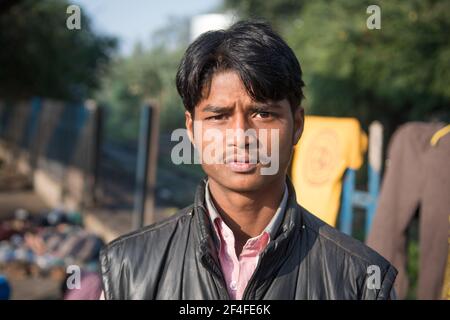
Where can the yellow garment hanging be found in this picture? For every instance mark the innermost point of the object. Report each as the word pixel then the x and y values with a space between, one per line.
pixel 327 148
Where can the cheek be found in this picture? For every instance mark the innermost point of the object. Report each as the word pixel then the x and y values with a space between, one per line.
pixel 210 141
pixel 284 139
pixel 284 147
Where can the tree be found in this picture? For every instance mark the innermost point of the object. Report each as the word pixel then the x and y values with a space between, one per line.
pixel 149 73
pixel 396 74
pixel 40 56
pixel 279 12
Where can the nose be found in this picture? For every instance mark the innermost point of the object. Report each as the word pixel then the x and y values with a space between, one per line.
pixel 237 136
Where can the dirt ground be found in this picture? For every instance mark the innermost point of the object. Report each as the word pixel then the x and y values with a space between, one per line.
pixel 26 287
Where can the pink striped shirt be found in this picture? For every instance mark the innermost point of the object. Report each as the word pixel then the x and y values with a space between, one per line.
pixel 238 270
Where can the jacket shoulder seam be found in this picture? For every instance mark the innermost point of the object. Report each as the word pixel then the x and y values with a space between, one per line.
pixel 172 220
pixel 354 254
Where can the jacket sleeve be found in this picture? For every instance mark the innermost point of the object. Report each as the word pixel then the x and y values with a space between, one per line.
pixel 382 289
pixel 387 291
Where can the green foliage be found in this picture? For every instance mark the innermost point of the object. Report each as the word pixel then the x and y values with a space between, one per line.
pixel 40 56
pixel 278 12
pixel 148 74
pixel 396 74
pixel 134 80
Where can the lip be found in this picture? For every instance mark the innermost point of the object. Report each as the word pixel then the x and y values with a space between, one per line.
pixel 241 167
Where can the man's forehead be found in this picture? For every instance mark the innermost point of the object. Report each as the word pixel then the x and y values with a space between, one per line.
pixel 227 91
pixel 225 87
pixel 227 79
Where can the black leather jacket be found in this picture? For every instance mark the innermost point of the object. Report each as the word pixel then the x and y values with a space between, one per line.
pixel 177 259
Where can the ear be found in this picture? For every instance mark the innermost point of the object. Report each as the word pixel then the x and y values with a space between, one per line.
pixel 299 122
pixel 190 126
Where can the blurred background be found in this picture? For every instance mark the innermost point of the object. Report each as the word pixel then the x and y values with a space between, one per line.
pixel 86 114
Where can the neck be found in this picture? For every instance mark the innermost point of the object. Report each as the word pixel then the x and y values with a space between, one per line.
pixel 247 213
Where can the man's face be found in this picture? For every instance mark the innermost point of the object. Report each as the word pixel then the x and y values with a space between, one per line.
pixel 230 111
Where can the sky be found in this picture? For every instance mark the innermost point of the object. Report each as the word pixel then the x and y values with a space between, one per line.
pixel 135 20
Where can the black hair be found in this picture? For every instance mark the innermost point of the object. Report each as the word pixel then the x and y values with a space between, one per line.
pixel 266 65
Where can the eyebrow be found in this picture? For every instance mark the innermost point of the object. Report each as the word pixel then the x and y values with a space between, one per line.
pixel 264 107
pixel 216 109
pixel 258 107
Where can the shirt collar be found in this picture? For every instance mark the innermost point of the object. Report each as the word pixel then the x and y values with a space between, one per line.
pixel 274 223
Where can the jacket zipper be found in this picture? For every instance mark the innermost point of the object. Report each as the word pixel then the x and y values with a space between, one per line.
pixel 220 280
pixel 252 281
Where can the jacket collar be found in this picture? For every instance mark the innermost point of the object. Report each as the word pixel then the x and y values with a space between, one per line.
pixel 207 237
pixel 272 227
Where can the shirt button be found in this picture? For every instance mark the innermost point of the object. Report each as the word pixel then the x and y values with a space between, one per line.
pixel 233 285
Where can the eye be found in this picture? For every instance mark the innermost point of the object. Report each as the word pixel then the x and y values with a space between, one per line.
pixel 217 117
pixel 264 114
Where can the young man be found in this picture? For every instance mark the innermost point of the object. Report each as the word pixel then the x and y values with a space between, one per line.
pixel 245 236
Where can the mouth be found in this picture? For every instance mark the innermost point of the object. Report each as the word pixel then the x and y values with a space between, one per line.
pixel 241 167
pixel 244 163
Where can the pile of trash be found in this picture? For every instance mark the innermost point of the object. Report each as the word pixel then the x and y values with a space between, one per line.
pixel 47 243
